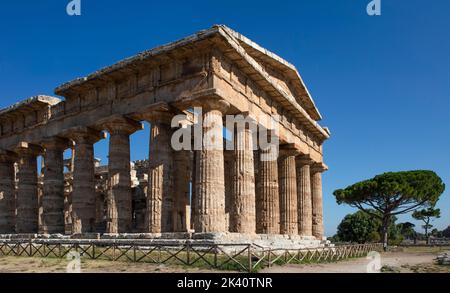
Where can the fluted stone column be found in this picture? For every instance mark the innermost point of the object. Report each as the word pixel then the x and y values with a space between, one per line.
pixel 195 157
pixel 317 200
pixel 228 176
pixel 68 188
pixel 27 219
pixel 304 195
pixel 210 184
pixel 268 200
pixel 181 179
pixel 53 196
pixel 159 215
pixel 119 195
pixel 83 194
pixel 288 191
pixel 243 213
pixel 7 192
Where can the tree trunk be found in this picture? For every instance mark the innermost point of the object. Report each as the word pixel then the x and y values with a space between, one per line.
pixel 426 234
pixel 384 231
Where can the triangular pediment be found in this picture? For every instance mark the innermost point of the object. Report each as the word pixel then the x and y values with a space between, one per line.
pixel 284 73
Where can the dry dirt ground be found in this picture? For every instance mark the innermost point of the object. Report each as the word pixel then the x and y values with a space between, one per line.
pixel 407 260
pixel 54 265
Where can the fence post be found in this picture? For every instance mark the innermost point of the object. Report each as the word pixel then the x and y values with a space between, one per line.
pixel 215 255
pixel 188 258
pixel 250 264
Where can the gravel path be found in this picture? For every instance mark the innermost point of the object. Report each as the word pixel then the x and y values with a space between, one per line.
pixel 401 261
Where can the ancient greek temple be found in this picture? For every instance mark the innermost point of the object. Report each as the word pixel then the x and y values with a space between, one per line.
pixel 213 193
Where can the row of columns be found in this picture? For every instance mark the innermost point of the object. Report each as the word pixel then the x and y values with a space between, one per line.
pixel 285 198
pixel 300 195
pixel 287 202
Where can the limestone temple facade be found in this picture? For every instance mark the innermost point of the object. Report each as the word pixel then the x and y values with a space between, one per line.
pixel 209 193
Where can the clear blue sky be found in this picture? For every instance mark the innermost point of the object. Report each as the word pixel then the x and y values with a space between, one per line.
pixel 381 83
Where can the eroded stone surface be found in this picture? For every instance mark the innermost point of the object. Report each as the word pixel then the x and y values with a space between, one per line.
pixel 83 194
pixel 288 194
pixel 304 196
pixel 53 185
pixel 317 202
pixel 242 205
pixel 209 215
pixel 7 193
pixel 27 190
pixel 119 197
pixel 160 190
pixel 181 196
pixel 268 200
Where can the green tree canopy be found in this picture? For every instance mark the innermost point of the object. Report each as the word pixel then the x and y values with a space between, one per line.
pixel 393 193
pixel 436 233
pixel 358 227
pixel 426 216
pixel 407 230
pixel 361 227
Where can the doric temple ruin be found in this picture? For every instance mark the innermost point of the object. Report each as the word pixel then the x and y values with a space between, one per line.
pixel 212 193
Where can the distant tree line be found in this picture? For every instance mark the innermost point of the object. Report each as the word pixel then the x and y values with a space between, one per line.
pixel 361 227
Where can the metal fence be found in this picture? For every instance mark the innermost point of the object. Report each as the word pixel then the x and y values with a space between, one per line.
pixel 241 257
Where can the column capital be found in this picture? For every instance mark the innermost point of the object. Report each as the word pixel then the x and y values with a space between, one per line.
pixel 160 116
pixel 212 103
pixel 287 150
pixel 304 159
pixel 248 114
pixel 119 124
pixel 56 143
pixel 319 167
pixel 249 120
pixel 28 148
pixel 83 134
pixel 158 112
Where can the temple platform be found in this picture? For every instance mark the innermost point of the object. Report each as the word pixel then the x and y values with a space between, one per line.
pixel 262 241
